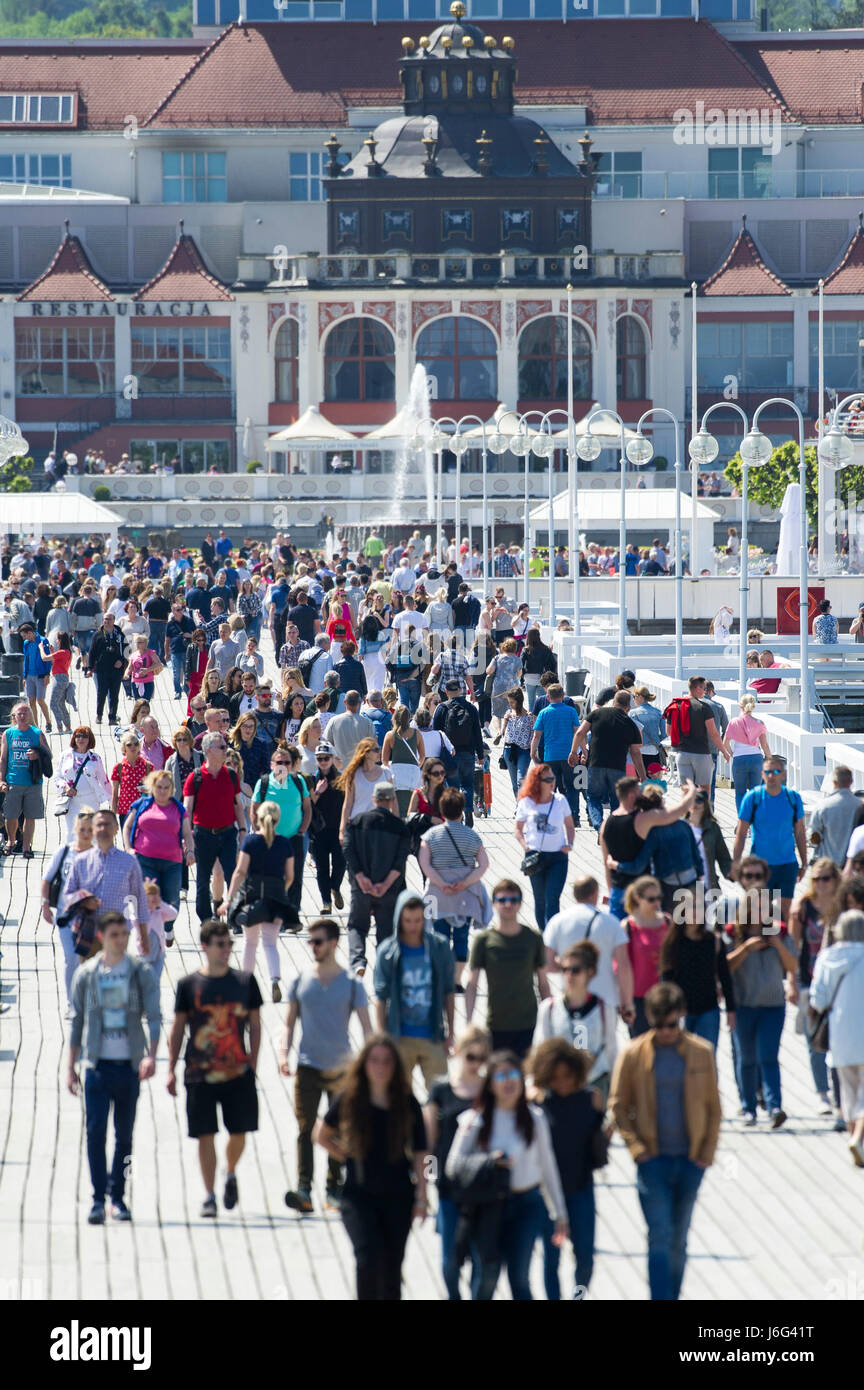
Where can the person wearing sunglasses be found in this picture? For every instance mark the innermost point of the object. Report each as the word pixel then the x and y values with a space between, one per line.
pixel 545 831
pixel 516 1135
pixel 666 1107
pixel 450 1097
pixel 513 957
pixel 646 926
pixel 578 1015
pixel 775 815
pixel 321 999
pixel 763 962
pixel 327 805
pixel 813 912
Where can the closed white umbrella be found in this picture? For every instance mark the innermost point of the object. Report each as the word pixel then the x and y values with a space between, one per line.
pixel 789 544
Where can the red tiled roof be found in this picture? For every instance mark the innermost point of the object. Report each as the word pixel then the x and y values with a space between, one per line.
pixel 112 80
pixel 744 272
pixel 69 276
pixel 296 74
pixel 847 277
pixel 819 80
pixel 183 276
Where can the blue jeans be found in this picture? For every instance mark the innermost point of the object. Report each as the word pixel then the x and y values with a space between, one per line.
pixel 457 935
pixel 178 671
pixel 547 886
pixel 105 1084
pixel 83 640
pixel 518 769
pixel 445 1224
pixel 409 692
pixel 601 787
pixel 463 777
pixel 616 902
pixel 253 627
pixel 705 1026
pixel 818 1070
pixel 146 687
pixel 209 847
pixel 167 874
pixel 521 1226
pixel 759 1032
pixel 581 1211
pixel 565 784
pixel 157 638
pixel 746 775
pixel 668 1188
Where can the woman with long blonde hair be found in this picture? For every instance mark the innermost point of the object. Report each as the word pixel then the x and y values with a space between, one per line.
pixel 308 738
pixel 265 872
pixel 358 781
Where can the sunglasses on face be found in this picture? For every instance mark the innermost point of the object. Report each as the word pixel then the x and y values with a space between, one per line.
pixel 753 877
pixel 510 899
pixel 317 941
pixel 668 1025
pixel 436 772
pixel 281 762
pixel 651 898
pixel 476 1057
pixel 511 1075
pixel 547 779
pixel 323 757
pixel 823 878
pixel 772 772
pixel 573 970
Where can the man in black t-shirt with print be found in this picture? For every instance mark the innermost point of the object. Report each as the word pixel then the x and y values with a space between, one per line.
pixel 218 1004
pixel 615 737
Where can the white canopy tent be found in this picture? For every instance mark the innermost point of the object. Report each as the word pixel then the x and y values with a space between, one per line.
pixel 57 514
pixel 310 431
pixel 402 427
pixel 648 509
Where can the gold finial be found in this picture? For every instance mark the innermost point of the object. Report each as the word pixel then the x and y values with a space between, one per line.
pixel 457 9
pixel 407 45
pixel 446 42
pixel 467 41
pixel 423 41
pixel 508 43
pixel 489 42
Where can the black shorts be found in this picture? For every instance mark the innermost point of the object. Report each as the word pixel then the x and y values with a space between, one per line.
pixel 239 1101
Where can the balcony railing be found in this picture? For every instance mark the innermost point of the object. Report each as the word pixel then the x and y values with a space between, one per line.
pixel 88 413
pixel 700 183
pixel 466 268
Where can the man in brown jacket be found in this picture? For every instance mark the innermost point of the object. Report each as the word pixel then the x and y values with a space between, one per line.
pixel 666 1106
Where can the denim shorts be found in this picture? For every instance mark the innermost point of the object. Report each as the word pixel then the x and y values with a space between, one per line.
pixel 34 687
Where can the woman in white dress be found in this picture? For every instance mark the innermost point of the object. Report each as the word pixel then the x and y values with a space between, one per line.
pixel 91 790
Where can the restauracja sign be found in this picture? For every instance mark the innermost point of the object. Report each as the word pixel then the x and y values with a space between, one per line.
pixel 176 308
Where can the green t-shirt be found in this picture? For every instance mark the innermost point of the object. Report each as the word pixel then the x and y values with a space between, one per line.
pixel 289 800
pixel 509 963
pixel 373 547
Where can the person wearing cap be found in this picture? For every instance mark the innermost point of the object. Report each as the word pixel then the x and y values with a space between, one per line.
pixel 856 629
pixel 327 802
pixel 376 847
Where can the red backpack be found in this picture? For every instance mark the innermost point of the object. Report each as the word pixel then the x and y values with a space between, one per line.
pixel 677 714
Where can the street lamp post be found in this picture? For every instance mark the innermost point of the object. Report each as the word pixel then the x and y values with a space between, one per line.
pixel 704 448
pixel 640 451
pixel 461 445
pixel 543 445
pixel 589 447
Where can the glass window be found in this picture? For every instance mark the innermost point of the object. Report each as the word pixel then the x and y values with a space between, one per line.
pixel 305 177
pixel 739 173
pixel 49 170
pixel 36 108
pixel 631 360
pixel 460 353
pixel 543 360
pixel 843 365
pixel 64 359
pixel 619 174
pixel 758 354
pixel 360 362
pixel 285 353
pixel 194 177
pixel 184 359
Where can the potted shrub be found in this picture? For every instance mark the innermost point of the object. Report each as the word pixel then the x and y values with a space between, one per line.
pixel 101 493
pixel 254 466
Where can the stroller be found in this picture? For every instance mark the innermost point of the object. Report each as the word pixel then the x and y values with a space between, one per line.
pixel 483 785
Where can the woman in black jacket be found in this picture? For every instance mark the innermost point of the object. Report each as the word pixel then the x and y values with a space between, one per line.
pixel 352 675
pixel 536 659
pixel 695 959
pixel 108 662
pixel 327 802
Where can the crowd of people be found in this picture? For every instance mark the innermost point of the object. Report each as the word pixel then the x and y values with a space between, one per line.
pixel 365 765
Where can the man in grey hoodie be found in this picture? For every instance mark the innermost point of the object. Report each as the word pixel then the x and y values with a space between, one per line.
pixel 414 989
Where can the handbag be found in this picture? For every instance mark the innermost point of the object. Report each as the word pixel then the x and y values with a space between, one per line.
pixel 407 777
pixel 599 1148
pixel 816 1023
pixel 61 805
pixel 532 863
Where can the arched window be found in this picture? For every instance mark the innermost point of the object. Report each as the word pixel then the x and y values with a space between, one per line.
pixel 285 352
pixel 543 360
pixel 632 368
pixel 360 362
pixel 461 355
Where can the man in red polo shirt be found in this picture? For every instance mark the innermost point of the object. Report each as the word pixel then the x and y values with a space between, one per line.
pixel 766 685
pixel 212 798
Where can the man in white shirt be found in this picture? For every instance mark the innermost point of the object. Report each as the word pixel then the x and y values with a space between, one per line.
pixel 587 922
pixel 315 671
pixel 404 577
pixel 409 616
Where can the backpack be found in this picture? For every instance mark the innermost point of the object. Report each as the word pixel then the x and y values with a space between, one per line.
pixel 307 660
pixel 143 804
pixel 55 887
pixel 677 713
pixel 297 780
pixel 760 797
pixel 459 726
pixel 197 778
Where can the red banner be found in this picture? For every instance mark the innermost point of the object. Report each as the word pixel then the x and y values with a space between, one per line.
pixel 789 608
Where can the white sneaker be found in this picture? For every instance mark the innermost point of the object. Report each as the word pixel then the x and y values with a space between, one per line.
pixel 825 1106
pixel 857 1152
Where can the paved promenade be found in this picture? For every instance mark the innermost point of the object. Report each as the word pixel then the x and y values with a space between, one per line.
pixel 781 1215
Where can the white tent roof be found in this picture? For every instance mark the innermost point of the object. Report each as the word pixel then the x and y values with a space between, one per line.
pixel 311 428
pixel 604 427
pixel 56 514
pixel 401 427
pixel 647 507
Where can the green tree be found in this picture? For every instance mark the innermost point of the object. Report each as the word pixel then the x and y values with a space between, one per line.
pixel 767 484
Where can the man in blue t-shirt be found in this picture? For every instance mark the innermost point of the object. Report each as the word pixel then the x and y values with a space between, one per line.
pixel 19 753
pixel 776 816
pixel 37 669
pixel 558 722
pixel 414 990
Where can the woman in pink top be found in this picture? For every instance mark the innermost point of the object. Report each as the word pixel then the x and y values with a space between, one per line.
pixel 158 832
pixel 646 927
pixel 746 745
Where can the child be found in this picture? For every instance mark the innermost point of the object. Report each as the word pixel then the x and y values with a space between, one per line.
pixel 655 776
pixel 158 926
pixel 144 667
pixel 62 689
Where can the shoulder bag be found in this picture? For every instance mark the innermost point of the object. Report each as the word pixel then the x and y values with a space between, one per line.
pixel 533 860
pixel 61 805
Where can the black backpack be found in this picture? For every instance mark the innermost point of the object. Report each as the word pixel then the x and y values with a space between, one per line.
pixel 459 726
pixel 55 887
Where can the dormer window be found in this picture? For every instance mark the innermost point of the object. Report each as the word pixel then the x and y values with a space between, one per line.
pixel 457 84
pixel 37 108
pixel 481 82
